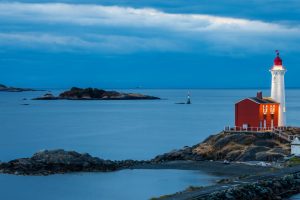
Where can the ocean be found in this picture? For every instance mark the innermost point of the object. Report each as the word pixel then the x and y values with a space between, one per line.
pixel 116 130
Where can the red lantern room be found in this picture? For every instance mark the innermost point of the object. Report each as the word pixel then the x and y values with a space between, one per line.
pixel 256 112
pixel 277 60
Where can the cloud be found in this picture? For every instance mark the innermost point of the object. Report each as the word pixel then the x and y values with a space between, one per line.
pixel 32 38
pixel 139 29
pixel 101 43
pixel 93 15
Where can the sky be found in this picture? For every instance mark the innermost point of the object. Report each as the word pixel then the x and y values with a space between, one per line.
pixel 147 43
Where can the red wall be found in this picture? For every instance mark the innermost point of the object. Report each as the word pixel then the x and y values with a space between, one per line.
pixel 247 112
pixel 268 115
pixel 251 113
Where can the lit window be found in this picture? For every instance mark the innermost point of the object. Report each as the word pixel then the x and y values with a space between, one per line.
pixel 265 109
pixel 272 109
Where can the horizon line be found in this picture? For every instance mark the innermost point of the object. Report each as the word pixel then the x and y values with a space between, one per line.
pixel 166 88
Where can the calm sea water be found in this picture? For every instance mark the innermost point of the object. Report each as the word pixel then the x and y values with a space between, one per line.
pixel 115 130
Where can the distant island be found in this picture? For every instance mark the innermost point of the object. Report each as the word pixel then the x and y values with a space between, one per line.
pixel 95 94
pixel 4 88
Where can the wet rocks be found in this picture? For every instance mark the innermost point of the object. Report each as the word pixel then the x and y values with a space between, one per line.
pixel 182 154
pixel 275 188
pixel 61 161
pixel 47 96
pixel 95 94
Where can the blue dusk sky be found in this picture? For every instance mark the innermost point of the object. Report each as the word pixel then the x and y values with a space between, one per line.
pixel 147 43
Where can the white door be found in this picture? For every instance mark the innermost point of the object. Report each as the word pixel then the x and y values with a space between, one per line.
pixel 272 123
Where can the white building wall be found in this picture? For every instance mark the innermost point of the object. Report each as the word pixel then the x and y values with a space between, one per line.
pixel 295 147
pixel 278 92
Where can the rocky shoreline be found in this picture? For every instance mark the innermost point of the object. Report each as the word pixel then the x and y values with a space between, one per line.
pixel 242 181
pixel 235 146
pixel 95 94
pixel 219 147
pixel 280 184
pixel 60 162
pixel 248 182
pixel 269 189
pixel 49 162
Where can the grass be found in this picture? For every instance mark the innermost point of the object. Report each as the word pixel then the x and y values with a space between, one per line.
pixel 294 161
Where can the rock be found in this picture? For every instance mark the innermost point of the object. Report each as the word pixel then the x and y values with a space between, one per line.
pixel 233 147
pixel 61 161
pixel 261 190
pixel 268 156
pixel 4 88
pixel 233 155
pixel 264 143
pixel 95 94
pixel 47 96
pixel 250 153
pixel 279 150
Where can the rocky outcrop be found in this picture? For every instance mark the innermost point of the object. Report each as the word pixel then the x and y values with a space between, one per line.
pixel 95 94
pixel 233 147
pixel 4 88
pixel 276 188
pixel 60 161
pixel 223 146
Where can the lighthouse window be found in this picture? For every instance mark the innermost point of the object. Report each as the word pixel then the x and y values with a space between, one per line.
pixel 265 109
pixel 272 109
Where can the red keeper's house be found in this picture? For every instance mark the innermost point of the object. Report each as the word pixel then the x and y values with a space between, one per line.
pixel 256 113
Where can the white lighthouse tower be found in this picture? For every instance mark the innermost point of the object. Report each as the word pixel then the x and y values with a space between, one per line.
pixel 278 88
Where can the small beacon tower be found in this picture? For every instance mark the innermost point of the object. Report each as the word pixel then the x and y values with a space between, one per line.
pixel 278 88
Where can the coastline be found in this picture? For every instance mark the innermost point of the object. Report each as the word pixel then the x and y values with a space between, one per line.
pixel 278 184
pixel 49 162
pixel 239 172
pixel 230 152
pixel 233 169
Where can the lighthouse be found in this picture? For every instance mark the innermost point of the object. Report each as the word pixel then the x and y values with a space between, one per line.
pixel 278 88
pixel 264 113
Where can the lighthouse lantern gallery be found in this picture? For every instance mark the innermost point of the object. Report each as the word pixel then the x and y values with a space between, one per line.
pixel 264 112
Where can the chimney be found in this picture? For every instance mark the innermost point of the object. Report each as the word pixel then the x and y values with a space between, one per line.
pixel 259 95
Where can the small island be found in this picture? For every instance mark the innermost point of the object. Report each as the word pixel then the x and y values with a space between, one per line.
pixel 4 88
pixel 95 94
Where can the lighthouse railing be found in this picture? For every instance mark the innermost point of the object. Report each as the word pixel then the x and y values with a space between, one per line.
pixel 247 129
pixel 253 129
pixel 278 131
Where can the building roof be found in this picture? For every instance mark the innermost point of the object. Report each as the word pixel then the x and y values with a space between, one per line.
pixel 264 100
pixel 295 141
